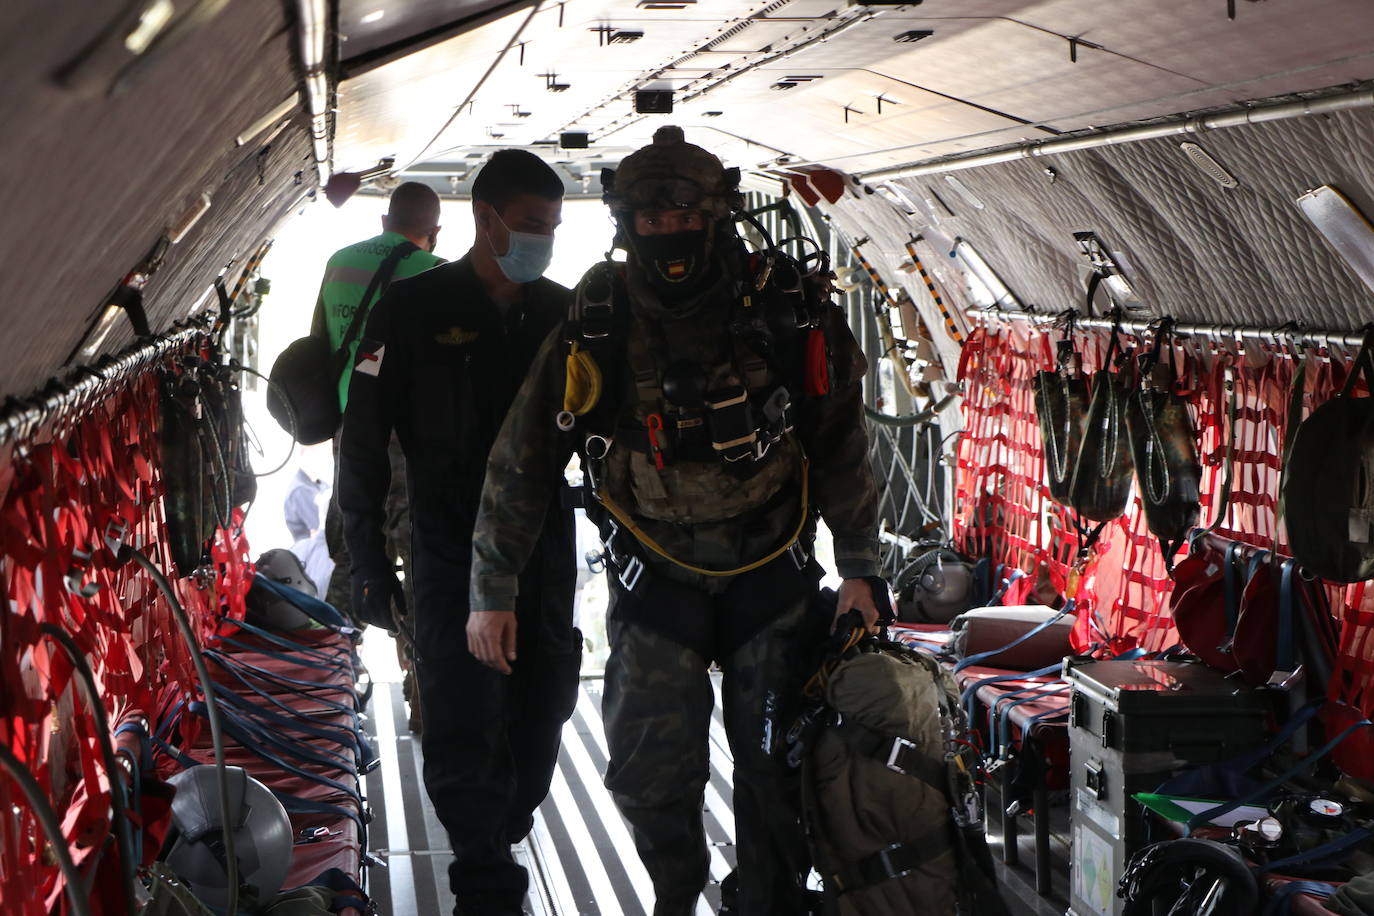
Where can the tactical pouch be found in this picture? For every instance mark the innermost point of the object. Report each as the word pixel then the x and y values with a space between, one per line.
pixel 730 416
pixel 189 497
pixel 204 458
pixel 1167 469
pixel 690 436
pixel 1102 472
pixel 1061 407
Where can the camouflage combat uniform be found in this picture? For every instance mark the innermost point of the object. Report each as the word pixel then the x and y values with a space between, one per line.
pixel 666 629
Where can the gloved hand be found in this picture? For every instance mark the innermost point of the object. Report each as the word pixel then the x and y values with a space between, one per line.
pixel 864 596
pixel 374 596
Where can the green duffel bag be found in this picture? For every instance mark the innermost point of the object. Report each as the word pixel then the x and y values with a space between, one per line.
pixel 892 811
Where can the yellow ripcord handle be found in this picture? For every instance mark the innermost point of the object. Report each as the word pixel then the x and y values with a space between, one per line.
pixel 629 525
pixel 582 384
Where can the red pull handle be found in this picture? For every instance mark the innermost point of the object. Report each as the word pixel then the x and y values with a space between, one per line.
pixel 654 422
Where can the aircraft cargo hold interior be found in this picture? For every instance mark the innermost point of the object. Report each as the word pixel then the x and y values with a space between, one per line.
pixel 677 457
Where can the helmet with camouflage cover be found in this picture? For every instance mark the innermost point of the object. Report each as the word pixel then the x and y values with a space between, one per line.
pixel 671 174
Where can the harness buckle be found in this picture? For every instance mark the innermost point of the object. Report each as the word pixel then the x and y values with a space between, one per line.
pixel 899 747
pixel 597 319
pixel 631 572
pixel 116 530
pixel 890 865
pixel 596 448
pixel 799 554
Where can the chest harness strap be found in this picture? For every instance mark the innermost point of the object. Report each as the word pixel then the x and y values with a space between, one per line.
pixel 631 567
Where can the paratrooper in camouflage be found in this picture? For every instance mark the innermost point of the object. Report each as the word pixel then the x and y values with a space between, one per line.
pixel 718 436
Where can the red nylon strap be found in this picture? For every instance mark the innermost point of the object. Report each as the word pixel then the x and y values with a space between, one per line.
pixel 62 494
pixel 1003 510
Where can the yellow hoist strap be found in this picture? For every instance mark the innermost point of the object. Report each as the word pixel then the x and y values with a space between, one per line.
pixel 628 524
pixel 582 383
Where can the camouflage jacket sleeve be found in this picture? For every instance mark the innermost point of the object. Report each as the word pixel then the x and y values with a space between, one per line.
pixel 524 473
pixel 834 434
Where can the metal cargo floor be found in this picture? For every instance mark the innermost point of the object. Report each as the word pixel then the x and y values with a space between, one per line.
pixel 580 856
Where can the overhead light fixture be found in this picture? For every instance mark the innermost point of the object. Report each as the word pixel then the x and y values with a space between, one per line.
pixel 274 116
pixel 964 191
pixel 188 218
pixel 1210 165
pixel 151 22
pixel 625 37
pixel 372 17
pixel 712 114
pixel 913 36
pixel 665 4
pixel 777 87
pixel 573 140
pixel 985 287
pixel 1344 226
pixel 654 101
pixel 517 112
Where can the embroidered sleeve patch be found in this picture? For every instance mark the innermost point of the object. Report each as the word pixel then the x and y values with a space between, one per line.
pixel 370 353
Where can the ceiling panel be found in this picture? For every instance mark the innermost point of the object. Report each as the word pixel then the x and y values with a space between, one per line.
pixel 1196 38
pixel 992 72
pixel 367 27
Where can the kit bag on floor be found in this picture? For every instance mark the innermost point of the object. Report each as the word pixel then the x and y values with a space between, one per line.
pixel 1328 482
pixel 303 396
pixel 890 802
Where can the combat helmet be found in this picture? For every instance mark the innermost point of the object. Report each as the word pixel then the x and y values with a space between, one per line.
pixel 671 174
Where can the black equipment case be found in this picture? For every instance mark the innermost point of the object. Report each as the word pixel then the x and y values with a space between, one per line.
pixel 1132 725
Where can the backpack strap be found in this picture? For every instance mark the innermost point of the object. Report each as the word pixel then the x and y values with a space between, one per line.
pixel 380 281
pixel 1228 390
pixel 1364 361
pixel 892 861
pixel 898 754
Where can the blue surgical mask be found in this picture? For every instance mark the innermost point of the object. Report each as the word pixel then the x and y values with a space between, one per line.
pixel 527 257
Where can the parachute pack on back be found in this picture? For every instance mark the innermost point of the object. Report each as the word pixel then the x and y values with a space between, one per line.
pixel 1328 482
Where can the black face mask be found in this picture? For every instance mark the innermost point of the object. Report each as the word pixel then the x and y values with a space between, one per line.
pixel 675 265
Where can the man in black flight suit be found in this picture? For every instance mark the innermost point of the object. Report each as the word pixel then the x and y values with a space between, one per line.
pixel 443 355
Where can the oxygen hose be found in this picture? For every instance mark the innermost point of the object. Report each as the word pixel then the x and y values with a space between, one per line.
pixel 118 805
pixel 47 819
pixel 231 862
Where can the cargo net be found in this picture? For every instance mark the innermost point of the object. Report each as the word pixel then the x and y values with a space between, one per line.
pixel 73 493
pixel 1121 586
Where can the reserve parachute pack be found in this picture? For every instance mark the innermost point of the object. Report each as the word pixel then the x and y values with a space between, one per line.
pixel 890 785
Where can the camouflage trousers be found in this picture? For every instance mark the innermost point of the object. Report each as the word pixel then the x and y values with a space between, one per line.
pixel 657 710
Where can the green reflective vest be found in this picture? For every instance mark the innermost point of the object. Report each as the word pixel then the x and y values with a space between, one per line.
pixel 346 278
